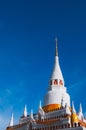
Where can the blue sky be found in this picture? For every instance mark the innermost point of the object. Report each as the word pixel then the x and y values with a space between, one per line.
pixel 27 48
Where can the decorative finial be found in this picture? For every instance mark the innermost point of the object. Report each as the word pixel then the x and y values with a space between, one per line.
pixel 80 115
pixel 80 108
pixel 31 113
pixel 56 39
pixel 11 121
pixel 67 109
pixel 40 106
pixel 25 111
pixel 73 108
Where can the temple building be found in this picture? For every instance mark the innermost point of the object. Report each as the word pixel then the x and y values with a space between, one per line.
pixel 56 113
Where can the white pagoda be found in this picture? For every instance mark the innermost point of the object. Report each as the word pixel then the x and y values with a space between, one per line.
pixel 56 113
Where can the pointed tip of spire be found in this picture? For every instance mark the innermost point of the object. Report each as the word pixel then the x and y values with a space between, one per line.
pixel 25 111
pixel 40 106
pixel 12 116
pixel 80 114
pixel 73 108
pixel 80 107
pixel 56 39
pixel 11 121
pixel 31 111
pixel 31 115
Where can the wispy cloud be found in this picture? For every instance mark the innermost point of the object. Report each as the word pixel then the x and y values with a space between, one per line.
pixel 77 84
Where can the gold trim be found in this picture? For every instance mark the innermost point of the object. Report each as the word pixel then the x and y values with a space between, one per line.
pixel 51 107
pixel 74 118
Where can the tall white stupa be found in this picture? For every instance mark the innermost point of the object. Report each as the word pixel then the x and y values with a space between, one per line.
pixel 57 89
pixel 56 113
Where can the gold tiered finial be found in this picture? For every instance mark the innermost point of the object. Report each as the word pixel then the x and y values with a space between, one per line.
pixel 56 39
